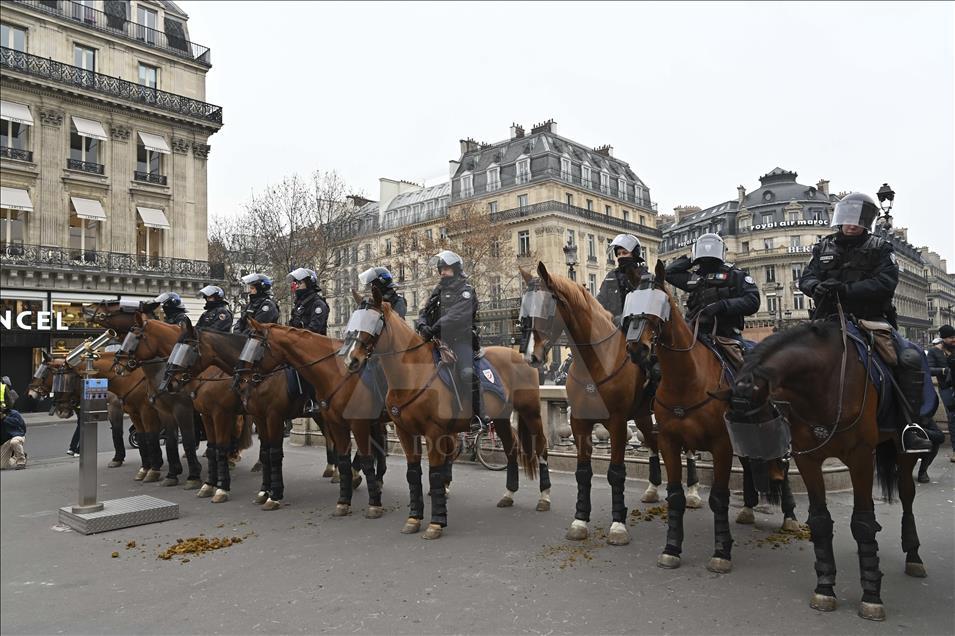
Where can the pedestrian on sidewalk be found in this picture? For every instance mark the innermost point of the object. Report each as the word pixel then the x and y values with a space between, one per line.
pixel 74 449
pixel 13 430
pixel 941 361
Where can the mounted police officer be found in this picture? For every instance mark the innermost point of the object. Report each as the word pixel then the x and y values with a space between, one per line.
pixel 217 314
pixel 616 285
pixel 174 312
pixel 382 280
pixel 719 292
pixel 311 310
pixel 261 306
pixel 450 314
pixel 858 268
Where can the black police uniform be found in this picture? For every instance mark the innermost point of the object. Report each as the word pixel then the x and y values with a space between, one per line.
pixel 262 307
pixel 616 285
pixel 176 316
pixel 398 303
pixel 731 287
pixel 217 316
pixel 310 312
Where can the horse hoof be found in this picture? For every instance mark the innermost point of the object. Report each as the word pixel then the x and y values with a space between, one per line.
pixel 192 484
pixel 694 501
pixel 433 531
pixel 618 534
pixel 336 478
pixel 823 603
pixel 505 502
pixel 650 496
pixel 719 566
pixel 668 561
pixel 577 530
pixel 116 463
pixel 329 471
pixel 140 474
pixel 221 496
pixel 872 611
pixel 271 504
pixel 256 467
pixel 746 516
pixel 374 512
pixel 790 525
pixel 916 569
pixel 543 505
pixel 205 491
pixel 342 510
pixel 447 491
pixel 412 525
pixel 170 481
pixel 260 498
pixel 151 476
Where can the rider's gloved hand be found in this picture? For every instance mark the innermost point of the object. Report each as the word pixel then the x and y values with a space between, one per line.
pixel 712 309
pixel 830 287
pixel 425 332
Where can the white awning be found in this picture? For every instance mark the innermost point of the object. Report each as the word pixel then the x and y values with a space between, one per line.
pixel 154 142
pixel 153 218
pixel 88 209
pixel 89 128
pixel 15 199
pixel 12 111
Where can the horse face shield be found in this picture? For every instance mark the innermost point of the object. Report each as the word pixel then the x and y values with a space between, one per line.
pixel 644 306
pixel 536 305
pixel 123 361
pixel 759 440
pixel 181 359
pixel 363 322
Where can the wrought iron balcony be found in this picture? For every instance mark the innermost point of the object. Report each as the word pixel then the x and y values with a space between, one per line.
pixel 118 25
pixel 16 153
pixel 149 177
pixel 65 258
pixel 86 166
pixel 557 206
pixel 47 69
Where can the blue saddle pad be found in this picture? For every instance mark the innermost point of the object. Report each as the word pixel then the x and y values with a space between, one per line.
pixel 490 378
pixel 373 376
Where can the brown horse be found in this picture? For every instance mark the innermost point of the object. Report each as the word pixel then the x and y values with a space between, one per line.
pixel 809 380
pixel 421 404
pixel 602 386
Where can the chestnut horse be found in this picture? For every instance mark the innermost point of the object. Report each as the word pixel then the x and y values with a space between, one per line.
pixel 826 399
pixel 421 404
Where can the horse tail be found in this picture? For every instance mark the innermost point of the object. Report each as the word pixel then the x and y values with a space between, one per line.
pixel 526 455
pixel 244 439
pixel 886 469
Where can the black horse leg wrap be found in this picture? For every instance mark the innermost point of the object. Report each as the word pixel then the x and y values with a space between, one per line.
pixel 223 480
pixel 276 454
pixel 720 504
pixel 820 529
pixel 544 472
pixel 617 477
pixel 345 475
pixel 416 507
pixel 691 478
pixel 676 506
pixel 788 500
pixel 864 528
pixel 213 475
pixel 656 475
pixel 513 476
pixel 266 470
pixel 584 475
pixel 750 496
pixel 156 450
pixel 439 498
pixel 367 463
pixel 448 472
pixel 910 536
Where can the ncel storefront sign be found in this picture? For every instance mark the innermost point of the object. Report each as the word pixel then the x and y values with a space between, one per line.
pixel 45 320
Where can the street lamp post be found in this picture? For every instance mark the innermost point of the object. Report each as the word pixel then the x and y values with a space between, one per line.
pixel 886 196
pixel 779 307
pixel 570 258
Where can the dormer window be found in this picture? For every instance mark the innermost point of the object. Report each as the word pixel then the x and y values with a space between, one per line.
pixel 565 168
pixel 605 183
pixel 467 185
pixel 585 175
pixel 622 188
pixel 523 170
pixel 493 178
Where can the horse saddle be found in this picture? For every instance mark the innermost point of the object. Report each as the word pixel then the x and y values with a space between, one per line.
pixel 881 333
pixel 732 352
pixel 489 376
pixel 444 354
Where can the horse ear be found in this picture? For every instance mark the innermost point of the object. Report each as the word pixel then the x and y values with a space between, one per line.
pixel 660 274
pixel 526 275
pixel 542 272
pixel 723 395
pixel 376 295
pixel 357 297
pixel 140 319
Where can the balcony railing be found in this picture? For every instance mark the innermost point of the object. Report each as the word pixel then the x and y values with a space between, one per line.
pixel 149 177
pixel 75 76
pixel 37 256
pixel 119 25
pixel 16 153
pixel 557 206
pixel 396 220
pixel 86 166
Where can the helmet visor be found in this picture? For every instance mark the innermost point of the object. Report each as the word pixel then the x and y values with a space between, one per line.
pixel 852 213
pixel 537 304
pixel 298 275
pixel 165 296
pixel 368 275
pixel 625 241
pixel 709 246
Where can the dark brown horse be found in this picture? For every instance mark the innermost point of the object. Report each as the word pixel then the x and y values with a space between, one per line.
pixel 810 380
pixel 421 405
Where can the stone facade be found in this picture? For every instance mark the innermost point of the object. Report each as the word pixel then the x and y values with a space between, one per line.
pixel 941 290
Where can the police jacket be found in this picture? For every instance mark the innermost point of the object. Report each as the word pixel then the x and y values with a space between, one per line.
pixel 176 316
pixel 397 301
pixel 217 315
pixel 616 285
pixel 310 312
pixel 731 287
pixel 866 264
pixel 261 307
pixel 940 366
pixel 451 309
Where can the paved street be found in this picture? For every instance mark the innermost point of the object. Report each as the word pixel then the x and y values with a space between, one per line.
pixel 49 437
pixel 299 569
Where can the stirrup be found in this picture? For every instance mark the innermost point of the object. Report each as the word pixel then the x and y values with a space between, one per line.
pixel 923 445
pixel 312 408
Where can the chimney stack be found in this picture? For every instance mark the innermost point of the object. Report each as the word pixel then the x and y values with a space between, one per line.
pixel 741 192
pixel 606 150
pixel 468 145
pixel 684 211
pixel 357 200
pixel 517 131
pixel 548 126
pixel 823 186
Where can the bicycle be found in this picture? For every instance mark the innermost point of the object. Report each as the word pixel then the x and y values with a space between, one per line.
pixel 485 447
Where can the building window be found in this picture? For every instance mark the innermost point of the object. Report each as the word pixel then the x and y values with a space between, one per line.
pixel 772 304
pixel 571 239
pixel 522 200
pixel 83 149
pixel 743 224
pixel 148 244
pixel 793 215
pixel 643 252
pixel 768 244
pixel 84 57
pixel 585 176
pixel 148 75
pixel 592 284
pixel 443 233
pixel 794 241
pixel 12 227
pixel 766 218
pixel 605 182
pixel 797 271
pixel 799 301
pixel 492 207
pixel 607 210
pixel 14 135
pixel 147 21
pixel 495 287
pixel 744 247
pixel 467 185
pixel 493 179
pixel 524 243
pixel 565 168
pixel 590 204
pixel 387 247
pixel 401 272
pixel 610 260
pixel 591 248
pixel 770 273
pixel 495 249
pixel 429 235
pixel 148 161
pixel 414 302
pixel 622 188
pixel 13 37
pixel 570 198
pixel 643 220
pixel 83 238
pixel 523 170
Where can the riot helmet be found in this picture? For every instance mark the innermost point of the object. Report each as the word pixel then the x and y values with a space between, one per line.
pixel 855 208
pixel 260 282
pixel 709 246
pixel 168 300
pixel 211 292
pixel 303 277
pixel 447 258
pixel 628 242
pixel 378 276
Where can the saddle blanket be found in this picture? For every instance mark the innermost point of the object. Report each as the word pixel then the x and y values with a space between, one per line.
pixel 490 379
pixel 729 367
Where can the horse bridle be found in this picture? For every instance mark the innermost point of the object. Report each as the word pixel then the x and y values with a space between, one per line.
pixel 123 360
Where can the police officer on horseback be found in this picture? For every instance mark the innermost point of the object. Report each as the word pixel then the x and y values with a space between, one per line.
pixel 857 269
pixel 217 314
pixel 174 313
pixel 261 306
pixel 311 310
pixel 617 284
pixel 382 280
pixel 450 314
pixel 719 292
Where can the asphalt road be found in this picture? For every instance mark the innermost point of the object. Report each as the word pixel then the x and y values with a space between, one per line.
pixel 49 438
pixel 300 570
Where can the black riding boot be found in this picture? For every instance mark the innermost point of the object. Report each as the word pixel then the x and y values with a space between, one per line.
pixel 910 376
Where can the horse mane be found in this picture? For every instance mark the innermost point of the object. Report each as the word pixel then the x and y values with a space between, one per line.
pixel 575 293
pixel 799 334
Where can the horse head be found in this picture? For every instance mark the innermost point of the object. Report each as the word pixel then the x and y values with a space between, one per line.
pixel 649 308
pixel 364 329
pixel 66 386
pixel 42 382
pixel 539 321
pixel 118 315
pixel 147 339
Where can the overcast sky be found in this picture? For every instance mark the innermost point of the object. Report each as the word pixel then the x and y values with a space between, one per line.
pixel 697 98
